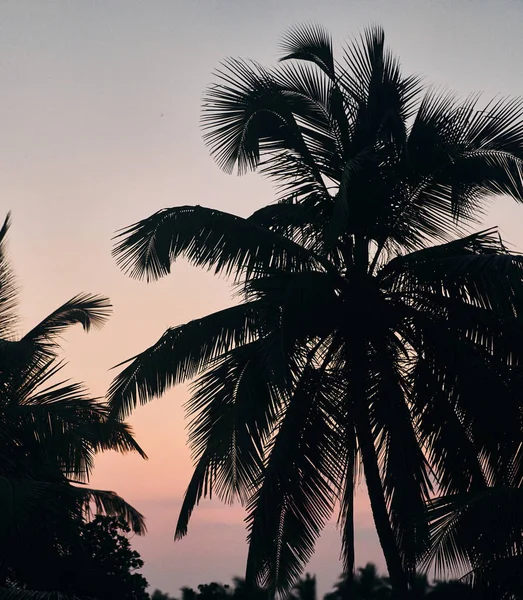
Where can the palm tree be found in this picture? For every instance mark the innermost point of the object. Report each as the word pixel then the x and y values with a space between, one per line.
pixel 373 316
pixel 456 590
pixel 304 589
pixel 50 431
pixel 367 584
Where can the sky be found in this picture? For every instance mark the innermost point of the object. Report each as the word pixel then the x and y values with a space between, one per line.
pixel 99 122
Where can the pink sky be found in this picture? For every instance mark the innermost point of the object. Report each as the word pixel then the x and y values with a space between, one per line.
pixel 85 151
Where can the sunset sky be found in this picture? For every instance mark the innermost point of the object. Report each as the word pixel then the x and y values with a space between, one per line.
pixel 99 110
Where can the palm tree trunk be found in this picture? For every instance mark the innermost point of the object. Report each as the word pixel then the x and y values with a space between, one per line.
pixel 380 513
pixel 357 357
pixel 348 525
pixel 348 588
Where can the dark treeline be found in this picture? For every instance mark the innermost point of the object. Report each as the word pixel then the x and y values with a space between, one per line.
pixel 368 584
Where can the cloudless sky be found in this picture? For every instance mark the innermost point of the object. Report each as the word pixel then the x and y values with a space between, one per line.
pixel 99 111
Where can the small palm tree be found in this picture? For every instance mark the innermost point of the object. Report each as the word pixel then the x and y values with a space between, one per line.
pixel 304 589
pixel 50 431
pixel 367 584
pixel 375 326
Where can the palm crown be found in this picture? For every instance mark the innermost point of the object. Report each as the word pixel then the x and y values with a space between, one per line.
pixel 376 328
pixel 50 431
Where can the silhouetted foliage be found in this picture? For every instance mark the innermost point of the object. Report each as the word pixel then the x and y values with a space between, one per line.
pixel 159 595
pixel 305 589
pixel 50 431
pixel 99 564
pixel 105 568
pixel 368 584
pixel 377 328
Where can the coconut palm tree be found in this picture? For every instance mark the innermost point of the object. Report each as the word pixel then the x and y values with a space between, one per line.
pixel 50 431
pixel 304 589
pixel 376 326
pixel 367 584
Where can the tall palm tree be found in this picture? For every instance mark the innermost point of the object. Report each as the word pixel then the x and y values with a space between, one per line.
pixel 50 431
pixel 373 316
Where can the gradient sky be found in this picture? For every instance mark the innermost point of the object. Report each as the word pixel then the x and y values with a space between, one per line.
pixel 85 150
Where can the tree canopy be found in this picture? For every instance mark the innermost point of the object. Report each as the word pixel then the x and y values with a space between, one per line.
pixel 378 332
pixel 50 432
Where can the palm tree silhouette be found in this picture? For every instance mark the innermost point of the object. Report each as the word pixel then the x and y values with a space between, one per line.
pixel 304 589
pixel 367 584
pixel 373 316
pixel 50 431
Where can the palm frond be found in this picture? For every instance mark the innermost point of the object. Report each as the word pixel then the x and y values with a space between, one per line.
pixel 460 156
pixel 111 433
pixel 312 43
pixel 45 421
pixel 309 95
pixel 57 421
pixel 499 126
pixel 297 492
pixel 8 288
pixel 110 504
pixel 206 237
pixel 405 471
pixel 297 221
pixel 446 440
pixel 234 409
pixel 184 351
pixel 87 310
pixel 372 78
pixel 36 508
pixel 248 114
pixel 474 271
pixel 199 486
pixel 459 544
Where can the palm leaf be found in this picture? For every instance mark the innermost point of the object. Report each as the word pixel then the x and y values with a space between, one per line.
pixel 111 433
pixel 205 237
pixel 296 494
pixel 8 288
pixel 346 514
pixel 85 309
pixel 184 351
pixel 112 505
pixel 58 420
pixel 405 471
pixel 234 408
pixel 248 113
pixel 311 43
pixel 456 542
pixel 373 80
